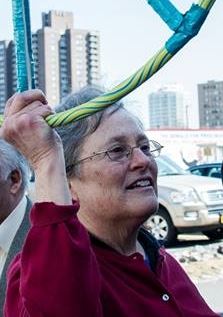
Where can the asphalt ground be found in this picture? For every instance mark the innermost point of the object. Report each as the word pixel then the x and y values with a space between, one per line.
pixel 211 288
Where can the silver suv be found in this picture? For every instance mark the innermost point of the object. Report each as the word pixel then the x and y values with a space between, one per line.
pixel 187 203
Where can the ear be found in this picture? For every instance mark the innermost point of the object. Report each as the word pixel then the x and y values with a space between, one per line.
pixel 16 181
pixel 72 189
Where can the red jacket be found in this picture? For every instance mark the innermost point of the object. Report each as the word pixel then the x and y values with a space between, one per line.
pixel 61 273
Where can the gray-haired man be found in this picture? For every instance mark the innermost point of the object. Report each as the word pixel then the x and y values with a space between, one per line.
pixel 14 208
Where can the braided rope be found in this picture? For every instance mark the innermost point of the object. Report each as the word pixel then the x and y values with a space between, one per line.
pixel 185 26
pixel 23 45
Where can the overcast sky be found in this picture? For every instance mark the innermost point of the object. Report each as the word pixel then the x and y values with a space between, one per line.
pixel 131 32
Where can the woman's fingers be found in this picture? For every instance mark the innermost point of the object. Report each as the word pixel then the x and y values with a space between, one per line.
pixel 21 100
pixel 24 126
pixel 37 108
pixel 28 117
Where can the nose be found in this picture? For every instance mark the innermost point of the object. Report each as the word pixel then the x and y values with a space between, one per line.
pixel 138 159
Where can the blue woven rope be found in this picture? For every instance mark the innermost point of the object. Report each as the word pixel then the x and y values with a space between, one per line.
pixel 23 45
pixel 189 28
pixel 186 25
pixel 168 13
pixel 30 61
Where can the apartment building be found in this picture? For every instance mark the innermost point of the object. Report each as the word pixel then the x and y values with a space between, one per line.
pixel 167 108
pixel 66 58
pixel 210 101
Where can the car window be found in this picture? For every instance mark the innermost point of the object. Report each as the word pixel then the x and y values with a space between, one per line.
pixel 202 171
pixel 197 172
pixel 211 171
pixel 215 172
pixel 168 167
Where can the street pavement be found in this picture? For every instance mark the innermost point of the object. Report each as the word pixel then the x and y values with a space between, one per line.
pixel 211 289
pixel 212 292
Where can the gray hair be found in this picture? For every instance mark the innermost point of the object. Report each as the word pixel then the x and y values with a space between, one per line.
pixel 74 134
pixel 11 159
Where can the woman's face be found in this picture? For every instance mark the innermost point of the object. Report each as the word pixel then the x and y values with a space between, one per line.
pixel 117 190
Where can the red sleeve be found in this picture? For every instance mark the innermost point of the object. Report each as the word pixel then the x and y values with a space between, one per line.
pixel 57 273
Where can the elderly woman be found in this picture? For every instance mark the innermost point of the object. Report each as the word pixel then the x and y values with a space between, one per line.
pixel 86 254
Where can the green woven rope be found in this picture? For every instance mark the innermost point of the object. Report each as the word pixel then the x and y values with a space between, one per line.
pixel 138 78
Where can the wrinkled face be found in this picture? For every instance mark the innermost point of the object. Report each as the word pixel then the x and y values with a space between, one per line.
pixel 10 192
pixel 111 189
pixel 4 195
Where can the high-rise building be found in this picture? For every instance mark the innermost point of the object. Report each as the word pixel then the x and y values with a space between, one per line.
pixel 66 59
pixel 7 72
pixel 3 74
pixel 167 108
pixel 210 99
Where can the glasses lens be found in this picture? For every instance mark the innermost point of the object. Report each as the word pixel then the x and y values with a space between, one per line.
pixel 145 148
pixel 118 153
pixel 121 152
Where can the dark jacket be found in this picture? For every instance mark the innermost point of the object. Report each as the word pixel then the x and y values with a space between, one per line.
pixel 16 247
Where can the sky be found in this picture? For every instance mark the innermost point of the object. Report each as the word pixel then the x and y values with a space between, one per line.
pixel 131 33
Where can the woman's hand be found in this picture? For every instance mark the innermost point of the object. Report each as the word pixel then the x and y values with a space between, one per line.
pixel 25 128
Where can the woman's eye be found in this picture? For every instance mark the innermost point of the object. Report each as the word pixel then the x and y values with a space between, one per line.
pixel 145 148
pixel 117 149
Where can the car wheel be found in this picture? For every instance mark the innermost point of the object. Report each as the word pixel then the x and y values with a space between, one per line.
pixel 216 234
pixel 161 227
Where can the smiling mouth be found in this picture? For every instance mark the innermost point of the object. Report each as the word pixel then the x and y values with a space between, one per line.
pixel 140 184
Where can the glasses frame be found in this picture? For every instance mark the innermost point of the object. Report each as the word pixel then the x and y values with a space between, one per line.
pixel 128 154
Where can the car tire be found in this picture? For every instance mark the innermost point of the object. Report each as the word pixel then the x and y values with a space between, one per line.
pixel 161 227
pixel 213 235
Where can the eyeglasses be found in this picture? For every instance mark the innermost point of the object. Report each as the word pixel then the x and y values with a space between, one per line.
pixel 120 153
